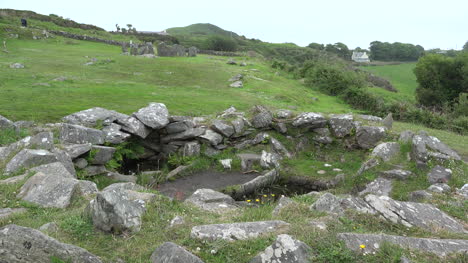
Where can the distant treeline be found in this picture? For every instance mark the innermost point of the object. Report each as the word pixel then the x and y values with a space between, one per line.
pixel 395 51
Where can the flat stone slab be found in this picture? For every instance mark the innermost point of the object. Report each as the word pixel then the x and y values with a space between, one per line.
pixel 238 231
pixel 27 245
pixel 77 134
pixel 56 168
pixel 27 158
pixel 285 250
pixel 155 115
pixel 212 201
pixel 372 243
pixel 379 186
pixel 91 117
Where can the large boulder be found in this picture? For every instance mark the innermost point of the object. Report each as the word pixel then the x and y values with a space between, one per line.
pixel 238 231
pixel 93 117
pixel 425 147
pixel 262 119
pixel 285 250
pixel 367 137
pixel 28 158
pixel 173 253
pixel 411 214
pixel 113 211
pixel 341 124
pixel 310 120
pixel 439 174
pixel 210 200
pixel 27 245
pixel 373 242
pixel 155 115
pixel 386 151
pixel 77 134
pixel 49 190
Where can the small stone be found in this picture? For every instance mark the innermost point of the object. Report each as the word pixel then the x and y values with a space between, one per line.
pixel 439 188
pixel 178 220
pixel 321 172
pixel 49 227
pixel 226 163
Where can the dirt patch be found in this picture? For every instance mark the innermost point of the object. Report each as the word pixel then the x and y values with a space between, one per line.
pixel 182 188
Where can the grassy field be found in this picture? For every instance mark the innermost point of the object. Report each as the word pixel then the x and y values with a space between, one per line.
pixel 402 78
pixel 191 86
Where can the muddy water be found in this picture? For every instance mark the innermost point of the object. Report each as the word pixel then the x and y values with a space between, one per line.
pixel 182 188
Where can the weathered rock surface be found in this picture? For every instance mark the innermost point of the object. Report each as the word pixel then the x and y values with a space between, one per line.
pixel 237 84
pixel 341 124
pixel 248 160
pixel 75 150
pixel 223 128
pixel 284 114
pixel 279 148
pixel 411 214
pixel 191 149
pixel 94 116
pixel 27 158
pixel 102 154
pixel 323 136
pixel 420 195
pixel 439 188
pixel 56 168
pixel 310 120
pixel 264 180
pixel 76 134
pixel 50 190
pixel 87 187
pixel 113 211
pixel 372 242
pixel 425 147
pixel 367 165
pixel 397 174
pixel 7 212
pixel 112 134
pixel 80 163
pixel 179 126
pixel 267 161
pixel 238 231
pixel 285 250
pixel 367 137
pixel 211 137
pixel 379 186
pixel 155 115
pixel 188 134
pixel 406 136
pixel 439 174
pixel 282 203
pixel 262 119
pixel 133 126
pixel 49 227
pixel 173 253
pixel 388 121
pixel 210 200
pixel 27 245
pixel 6 123
pixel 386 151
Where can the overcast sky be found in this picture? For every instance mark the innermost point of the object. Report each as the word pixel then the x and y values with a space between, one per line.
pixel 430 23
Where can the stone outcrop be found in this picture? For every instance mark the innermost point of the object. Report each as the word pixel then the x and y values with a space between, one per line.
pixel 373 242
pixel 155 115
pixel 28 158
pixel 173 253
pixel 439 174
pixel 367 137
pixel 27 245
pixel 238 231
pixel 210 200
pixel 77 134
pixel 310 120
pixel 341 125
pixel 286 250
pixel 386 151
pixel 425 147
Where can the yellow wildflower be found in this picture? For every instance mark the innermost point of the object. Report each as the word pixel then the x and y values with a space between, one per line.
pixel 248 201
pixel 362 246
pixel 265 195
pixel 272 194
pixel 257 200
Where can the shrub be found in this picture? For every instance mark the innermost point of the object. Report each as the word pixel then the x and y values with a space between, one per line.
pixel 219 43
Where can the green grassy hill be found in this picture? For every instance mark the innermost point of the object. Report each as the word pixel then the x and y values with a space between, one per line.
pixel 200 29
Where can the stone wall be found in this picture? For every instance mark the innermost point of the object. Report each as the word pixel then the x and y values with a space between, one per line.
pixel 87 38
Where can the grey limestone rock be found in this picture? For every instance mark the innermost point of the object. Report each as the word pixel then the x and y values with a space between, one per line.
pixel 372 243
pixel 173 253
pixel 101 154
pixel 27 245
pixel 94 116
pixel 341 124
pixel 285 250
pixel 76 134
pixel 386 151
pixel 155 115
pixel 310 120
pixel 379 186
pixel 27 158
pixel 367 137
pixel 210 200
pixel 49 190
pixel 439 174
pixel 238 231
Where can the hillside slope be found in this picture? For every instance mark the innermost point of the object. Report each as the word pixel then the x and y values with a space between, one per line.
pixel 203 29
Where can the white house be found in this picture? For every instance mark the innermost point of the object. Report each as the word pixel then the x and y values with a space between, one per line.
pixel 360 57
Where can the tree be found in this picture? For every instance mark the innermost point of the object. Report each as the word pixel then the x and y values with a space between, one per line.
pixel 441 79
pixel 117 27
pixel 220 43
pixel 339 49
pixel 316 46
pixel 129 27
pixel 465 47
